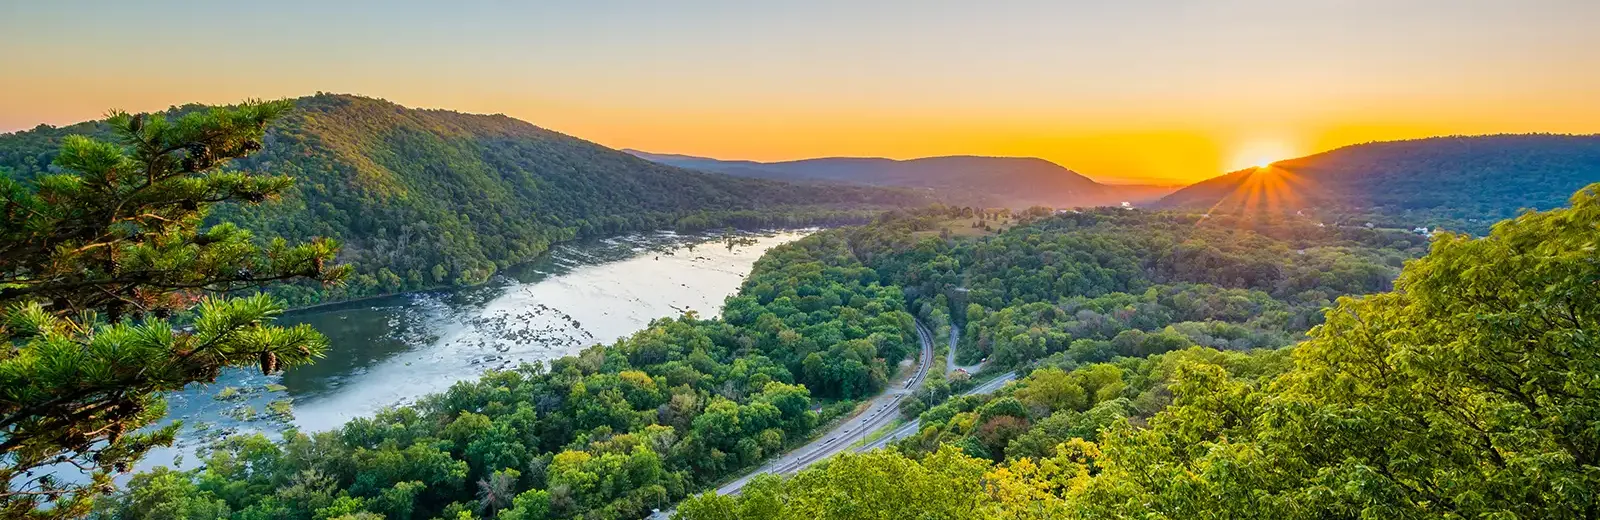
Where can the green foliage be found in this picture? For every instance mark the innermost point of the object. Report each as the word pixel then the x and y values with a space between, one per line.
pixel 426 198
pixel 1470 391
pixel 611 433
pixel 1154 387
pixel 1458 183
pixel 164 495
pixel 95 262
pixel 1104 283
pixel 1151 283
pixel 825 317
pixel 876 485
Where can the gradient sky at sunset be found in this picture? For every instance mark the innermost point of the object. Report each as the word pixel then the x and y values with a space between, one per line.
pixel 1163 90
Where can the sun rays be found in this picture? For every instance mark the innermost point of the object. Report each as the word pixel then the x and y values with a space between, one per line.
pixel 1266 190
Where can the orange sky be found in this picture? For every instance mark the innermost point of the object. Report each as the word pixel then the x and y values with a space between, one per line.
pixel 1142 90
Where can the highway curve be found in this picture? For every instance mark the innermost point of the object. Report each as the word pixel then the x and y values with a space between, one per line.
pixel 907 429
pixel 882 411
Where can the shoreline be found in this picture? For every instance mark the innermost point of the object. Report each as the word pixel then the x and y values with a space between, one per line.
pixel 199 404
pixel 315 307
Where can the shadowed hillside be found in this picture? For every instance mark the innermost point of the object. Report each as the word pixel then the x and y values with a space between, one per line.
pixel 432 197
pixel 1463 183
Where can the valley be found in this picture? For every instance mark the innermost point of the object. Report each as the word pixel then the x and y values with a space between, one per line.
pixel 625 372
pixel 391 350
pixel 337 307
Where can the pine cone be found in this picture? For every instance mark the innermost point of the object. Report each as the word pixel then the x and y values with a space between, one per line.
pixel 199 157
pixel 251 145
pixel 269 363
pixel 136 123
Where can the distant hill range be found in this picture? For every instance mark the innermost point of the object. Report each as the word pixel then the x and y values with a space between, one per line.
pixel 434 197
pixel 960 180
pixel 1462 183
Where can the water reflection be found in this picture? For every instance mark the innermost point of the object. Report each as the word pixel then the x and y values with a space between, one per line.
pixel 389 351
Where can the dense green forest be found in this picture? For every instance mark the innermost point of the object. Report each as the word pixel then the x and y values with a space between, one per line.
pixel 612 433
pixel 686 403
pixel 1114 282
pixel 113 293
pixel 1176 365
pixel 1464 184
pixel 425 198
pixel 1469 391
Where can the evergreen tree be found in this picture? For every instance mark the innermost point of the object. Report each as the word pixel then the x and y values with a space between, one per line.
pixel 112 292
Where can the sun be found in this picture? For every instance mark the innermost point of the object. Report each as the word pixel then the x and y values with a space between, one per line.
pixel 1260 154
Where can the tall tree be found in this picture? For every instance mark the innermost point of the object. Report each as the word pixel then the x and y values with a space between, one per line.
pixel 100 268
pixel 497 492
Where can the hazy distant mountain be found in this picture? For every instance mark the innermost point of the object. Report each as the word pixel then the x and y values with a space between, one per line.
pixel 1008 181
pixel 1465 183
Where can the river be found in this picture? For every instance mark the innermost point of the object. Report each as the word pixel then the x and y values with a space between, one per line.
pixel 389 351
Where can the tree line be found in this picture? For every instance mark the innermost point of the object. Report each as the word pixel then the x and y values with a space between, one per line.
pixel 423 199
pixel 1467 391
pixel 1177 365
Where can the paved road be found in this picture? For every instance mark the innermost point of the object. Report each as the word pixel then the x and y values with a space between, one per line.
pixel 907 429
pixel 882 410
pixel 950 355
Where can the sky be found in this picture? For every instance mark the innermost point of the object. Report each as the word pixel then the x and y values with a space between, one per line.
pixel 1160 91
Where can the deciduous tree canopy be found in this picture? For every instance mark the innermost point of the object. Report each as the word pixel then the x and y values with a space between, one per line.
pixel 1467 392
pixel 431 198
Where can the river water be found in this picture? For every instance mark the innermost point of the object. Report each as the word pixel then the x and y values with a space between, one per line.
pixel 389 351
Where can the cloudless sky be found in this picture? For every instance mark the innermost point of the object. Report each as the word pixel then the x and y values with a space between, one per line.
pixel 1150 90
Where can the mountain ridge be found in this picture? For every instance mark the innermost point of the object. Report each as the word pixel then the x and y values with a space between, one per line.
pixel 957 179
pixel 430 197
pixel 1464 183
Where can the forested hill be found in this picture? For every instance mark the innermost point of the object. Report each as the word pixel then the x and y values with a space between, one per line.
pixel 1464 183
pixel 961 180
pixel 432 197
pixel 688 403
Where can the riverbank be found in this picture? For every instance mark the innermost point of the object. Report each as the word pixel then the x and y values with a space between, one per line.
pixel 499 276
pixel 393 349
